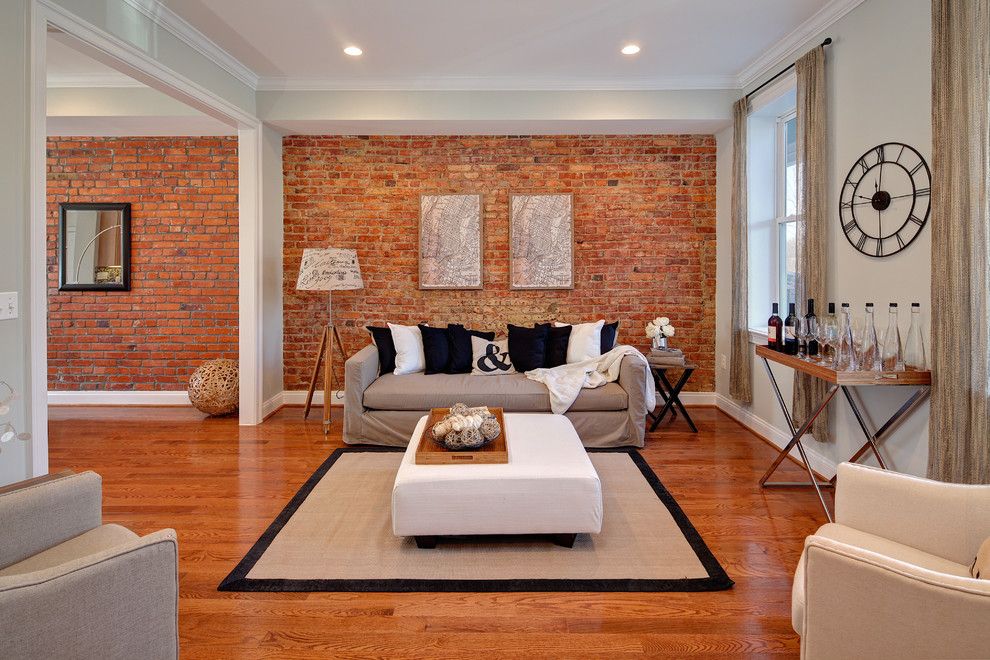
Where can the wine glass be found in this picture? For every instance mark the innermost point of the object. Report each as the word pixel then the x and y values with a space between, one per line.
pixel 821 335
pixel 859 338
pixel 831 331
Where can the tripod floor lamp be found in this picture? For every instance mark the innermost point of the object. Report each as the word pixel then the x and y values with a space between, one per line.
pixel 327 269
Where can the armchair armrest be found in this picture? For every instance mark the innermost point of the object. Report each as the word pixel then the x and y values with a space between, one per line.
pixel 122 602
pixel 44 513
pixel 360 371
pixel 947 520
pixel 863 604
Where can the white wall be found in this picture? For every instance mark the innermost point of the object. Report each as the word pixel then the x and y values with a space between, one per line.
pixel 271 267
pixel 14 223
pixel 879 85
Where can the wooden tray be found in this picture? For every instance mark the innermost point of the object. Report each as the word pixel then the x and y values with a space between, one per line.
pixel 430 453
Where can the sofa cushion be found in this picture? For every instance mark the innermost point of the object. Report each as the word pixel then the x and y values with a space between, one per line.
pixel 610 332
pixel 88 543
pixel 459 339
pixel 382 338
pixel 436 349
pixel 528 346
pixel 514 393
pixel 557 339
pixel 873 543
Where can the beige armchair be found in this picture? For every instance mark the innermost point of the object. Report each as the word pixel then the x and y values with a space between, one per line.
pixel 72 587
pixel 890 577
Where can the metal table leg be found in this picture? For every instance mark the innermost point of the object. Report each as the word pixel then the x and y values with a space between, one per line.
pixel 873 438
pixel 795 441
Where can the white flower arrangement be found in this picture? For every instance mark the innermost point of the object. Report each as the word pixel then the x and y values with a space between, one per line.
pixel 659 327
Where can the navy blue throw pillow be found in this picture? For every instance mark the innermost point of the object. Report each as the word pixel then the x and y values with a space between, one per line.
pixel 609 332
pixel 436 348
pixel 459 347
pixel 528 347
pixel 557 339
pixel 386 349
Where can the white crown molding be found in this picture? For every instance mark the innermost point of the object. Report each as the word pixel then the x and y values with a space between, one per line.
pixel 171 22
pixel 92 80
pixel 788 47
pixel 493 83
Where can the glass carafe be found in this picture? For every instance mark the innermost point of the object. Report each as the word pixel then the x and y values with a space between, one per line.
pixel 845 353
pixel 870 347
pixel 892 354
pixel 914 349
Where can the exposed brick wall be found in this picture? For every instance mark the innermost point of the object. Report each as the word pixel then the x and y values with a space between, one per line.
pixel 182 306
pixel 644 223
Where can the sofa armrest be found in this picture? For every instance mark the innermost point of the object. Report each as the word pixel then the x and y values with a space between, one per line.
pixel 947 520
pixel 122 603
pixel 862 604
pixel 360 371
pixel 635 378
pixel 43 514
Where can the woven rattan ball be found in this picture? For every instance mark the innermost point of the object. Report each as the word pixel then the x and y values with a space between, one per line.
pixel 213 387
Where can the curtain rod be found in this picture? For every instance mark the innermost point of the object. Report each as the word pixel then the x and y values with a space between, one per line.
pixel 827 42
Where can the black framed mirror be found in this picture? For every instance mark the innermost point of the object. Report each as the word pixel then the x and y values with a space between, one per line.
pixel 94 247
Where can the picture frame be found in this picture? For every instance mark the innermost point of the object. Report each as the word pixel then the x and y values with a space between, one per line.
pixel 94 246
pixel 451 241
pixel 541 241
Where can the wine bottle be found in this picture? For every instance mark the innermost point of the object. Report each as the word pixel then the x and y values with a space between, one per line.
pixel 891 355
pixel 775 330
pixel 791 326
pixel 811 330
pixel 914 349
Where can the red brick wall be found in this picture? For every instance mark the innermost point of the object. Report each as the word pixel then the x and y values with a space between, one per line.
pixel 182 306
pixel 644 223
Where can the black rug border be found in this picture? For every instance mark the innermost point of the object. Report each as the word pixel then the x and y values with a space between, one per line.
pixel 717 580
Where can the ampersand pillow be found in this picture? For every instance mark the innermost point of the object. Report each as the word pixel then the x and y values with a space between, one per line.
pixel 490 358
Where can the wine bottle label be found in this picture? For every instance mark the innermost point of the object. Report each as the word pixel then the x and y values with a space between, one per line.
pixel 771 335
pixel 789 332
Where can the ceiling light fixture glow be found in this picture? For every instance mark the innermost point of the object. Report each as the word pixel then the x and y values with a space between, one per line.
pixel 630 49
pixel 353 51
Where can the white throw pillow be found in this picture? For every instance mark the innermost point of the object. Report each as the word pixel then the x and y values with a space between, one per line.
pixel 409 355
pixel 490 358
pixel 585 341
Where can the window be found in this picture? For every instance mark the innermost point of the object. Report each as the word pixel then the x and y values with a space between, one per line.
pixel 772 201
pixel 786 207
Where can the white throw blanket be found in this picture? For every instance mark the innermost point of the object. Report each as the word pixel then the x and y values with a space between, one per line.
pixel 565 382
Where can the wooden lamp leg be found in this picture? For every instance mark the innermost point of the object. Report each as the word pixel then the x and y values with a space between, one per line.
pixel 329 378
pixel 316 371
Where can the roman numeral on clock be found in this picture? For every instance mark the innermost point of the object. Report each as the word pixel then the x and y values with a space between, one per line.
pixel 848 227
pixel 916 220
pixel 861 242
pixel 916 168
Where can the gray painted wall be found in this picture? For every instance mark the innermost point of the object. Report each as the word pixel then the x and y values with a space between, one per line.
pixel 879 86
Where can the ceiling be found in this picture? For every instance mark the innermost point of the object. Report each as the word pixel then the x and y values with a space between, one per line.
pixel 505 44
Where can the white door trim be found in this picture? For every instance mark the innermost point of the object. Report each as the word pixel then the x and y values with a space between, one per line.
pixel 134 62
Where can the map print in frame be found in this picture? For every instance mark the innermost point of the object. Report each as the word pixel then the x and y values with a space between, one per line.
pixel 541 241
pixel 450 242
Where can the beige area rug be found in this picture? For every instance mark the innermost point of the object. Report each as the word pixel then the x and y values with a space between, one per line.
pixel 336 535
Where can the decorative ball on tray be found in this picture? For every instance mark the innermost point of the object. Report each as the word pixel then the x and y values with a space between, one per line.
pixel 466 428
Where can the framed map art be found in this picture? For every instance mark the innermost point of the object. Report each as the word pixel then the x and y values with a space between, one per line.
pixel 450 242
pixel 541 241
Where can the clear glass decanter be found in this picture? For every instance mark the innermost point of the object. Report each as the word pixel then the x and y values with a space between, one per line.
pixel 892 354
pixel 845 354
pixel 914 349
pixel 870 360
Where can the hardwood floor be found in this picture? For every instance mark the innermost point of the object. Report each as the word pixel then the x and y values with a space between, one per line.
pixel 219 486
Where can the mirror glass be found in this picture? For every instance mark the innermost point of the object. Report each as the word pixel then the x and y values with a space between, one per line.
pixel 93 250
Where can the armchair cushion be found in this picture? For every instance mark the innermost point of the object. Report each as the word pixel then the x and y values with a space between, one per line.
pixel 88 543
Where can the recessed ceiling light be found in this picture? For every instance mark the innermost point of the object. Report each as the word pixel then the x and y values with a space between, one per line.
pixel 354 51
pixel 630 49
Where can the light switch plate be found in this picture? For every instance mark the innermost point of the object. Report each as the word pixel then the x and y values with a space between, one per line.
pixel 8 305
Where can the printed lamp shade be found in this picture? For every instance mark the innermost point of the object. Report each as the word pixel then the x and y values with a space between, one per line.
pixel 329 269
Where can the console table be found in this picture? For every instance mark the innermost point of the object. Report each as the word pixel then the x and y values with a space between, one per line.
pixel 838 380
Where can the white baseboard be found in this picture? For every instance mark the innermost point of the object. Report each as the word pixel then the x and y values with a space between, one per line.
pixel 761 427
pixel 298 398
pixel 697 398
pixel 90 398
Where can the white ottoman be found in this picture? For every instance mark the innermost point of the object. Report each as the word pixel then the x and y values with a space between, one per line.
pixel 549 486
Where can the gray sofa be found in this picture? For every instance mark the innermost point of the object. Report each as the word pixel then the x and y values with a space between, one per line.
pixel 384 410
pixel 73 587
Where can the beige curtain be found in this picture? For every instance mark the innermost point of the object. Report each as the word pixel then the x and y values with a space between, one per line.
pixel 740 360
pixel 959 437
pixel 811 245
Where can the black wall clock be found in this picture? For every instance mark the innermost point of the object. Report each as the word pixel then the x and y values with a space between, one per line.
pixel 885 199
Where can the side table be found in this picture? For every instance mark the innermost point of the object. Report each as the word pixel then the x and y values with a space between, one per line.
pixel 671 393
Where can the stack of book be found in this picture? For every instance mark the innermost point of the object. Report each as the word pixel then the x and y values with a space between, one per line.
pixel 670 357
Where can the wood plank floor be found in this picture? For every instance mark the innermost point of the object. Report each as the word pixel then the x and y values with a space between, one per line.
pixel 219 486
